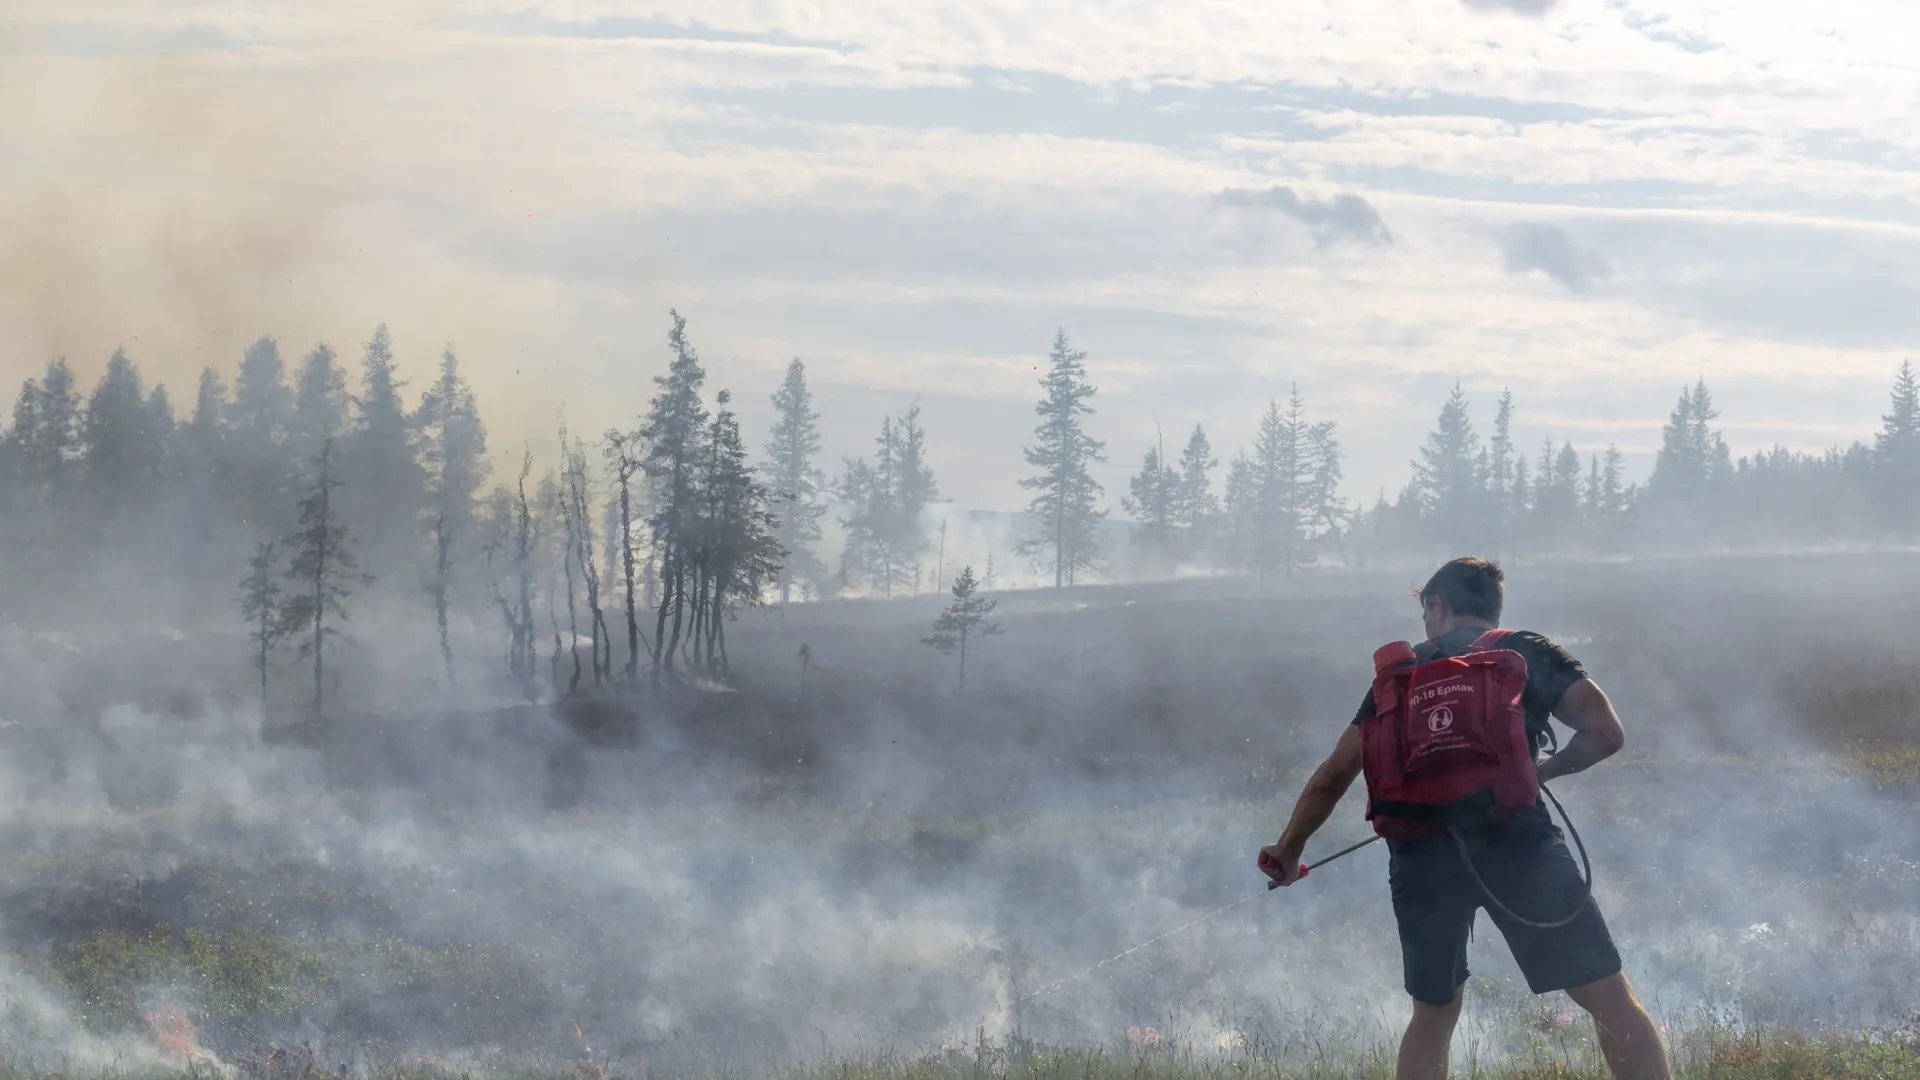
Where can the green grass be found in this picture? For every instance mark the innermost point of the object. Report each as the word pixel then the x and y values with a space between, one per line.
pixel 1705 1053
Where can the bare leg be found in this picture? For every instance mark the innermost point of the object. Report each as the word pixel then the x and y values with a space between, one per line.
pixel 1428 1043
pixel 1627 1035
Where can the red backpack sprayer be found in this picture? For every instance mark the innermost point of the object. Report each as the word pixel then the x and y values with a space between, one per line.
pixel 1446 750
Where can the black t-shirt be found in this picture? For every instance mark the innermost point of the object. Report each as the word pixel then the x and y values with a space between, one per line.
pixel 1550 671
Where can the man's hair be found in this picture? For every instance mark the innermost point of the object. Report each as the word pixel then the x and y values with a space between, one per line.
pixel 1473 587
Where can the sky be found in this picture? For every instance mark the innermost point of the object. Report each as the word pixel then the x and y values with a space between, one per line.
pixel 1590 202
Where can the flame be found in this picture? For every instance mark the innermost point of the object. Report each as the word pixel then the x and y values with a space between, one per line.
pixel 578 1034
pixel 175 1033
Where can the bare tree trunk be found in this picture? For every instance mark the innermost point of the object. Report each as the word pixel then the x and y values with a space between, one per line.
pixel 626 561
pixel 963 658
pixel 319 595
pixel 443 544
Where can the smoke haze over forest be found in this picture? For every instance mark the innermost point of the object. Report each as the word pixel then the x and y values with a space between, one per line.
pixel 743 530
pixel 912 198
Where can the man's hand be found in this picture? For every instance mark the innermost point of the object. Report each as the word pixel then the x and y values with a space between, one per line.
pixel 1280 864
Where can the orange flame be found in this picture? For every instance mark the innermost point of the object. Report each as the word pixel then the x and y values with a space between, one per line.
pixel 175 1033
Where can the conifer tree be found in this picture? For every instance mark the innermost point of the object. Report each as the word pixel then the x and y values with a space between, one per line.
pixel 323 570
pixel 1195 506
pixel 260 607
pixel 1446 481
pixel 1066 495
pixel 453 455
pixel 257 425
pixel 1500 474
pixel 1153 500
pixel 964 620
pixel 672 435
pixel 1896 455
pixel 117 437
pixel 795 480
pixel 739 552
pixel 319 404
pixel 386 487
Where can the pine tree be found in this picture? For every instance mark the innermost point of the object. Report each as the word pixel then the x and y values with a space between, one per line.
pixel 1195 506
pixel 453 453
pixel 319 404
pixel 795 480
pixel 1446 481
pixel 965 620
pixel 257 427
pixel 887 501
pixel 1065 503
pixel 453 449
pixel 1153 500
pixel 1500 474
pixel 672 434
pixel 116 434
pixel 1691 467
pixel 1328 512
pixel 1896 456
pixel 1240 534
pixel 386 487
pixel 1297 468
pixel 260 607
pixel 740 555
pixel 323 570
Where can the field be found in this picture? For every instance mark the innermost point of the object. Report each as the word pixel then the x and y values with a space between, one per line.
pixel 873 875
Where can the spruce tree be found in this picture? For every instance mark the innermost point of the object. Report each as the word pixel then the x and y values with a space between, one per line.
pixel 453 455
pixel 964 620
pixel 1896 456
pixel 319 405
pixel 673 435
pixel 740 551
pixel 1195 506
pixel 1500 474
pixel 1065 503
pixel 795 480
pixel 261 607
pixel 386 487
pixel 323 570
pixel 1446 480
pixel 257 426
pixel 1153 500
pixel 116 436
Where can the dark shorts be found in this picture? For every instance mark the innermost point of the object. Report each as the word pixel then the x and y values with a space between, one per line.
pixel 1526 862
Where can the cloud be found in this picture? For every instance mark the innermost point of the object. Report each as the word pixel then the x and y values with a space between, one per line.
pixel 1535 245
pixel 1518 7
pixel 1344 217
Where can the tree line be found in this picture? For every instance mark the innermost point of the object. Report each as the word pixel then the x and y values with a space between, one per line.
pixel 623 560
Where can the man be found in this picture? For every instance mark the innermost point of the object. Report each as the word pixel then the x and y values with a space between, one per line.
pixel 1523 859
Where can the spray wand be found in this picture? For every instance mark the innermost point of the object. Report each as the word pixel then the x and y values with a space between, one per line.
pixel 1306 868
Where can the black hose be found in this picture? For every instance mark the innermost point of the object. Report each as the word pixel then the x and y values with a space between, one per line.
pixel 1586 866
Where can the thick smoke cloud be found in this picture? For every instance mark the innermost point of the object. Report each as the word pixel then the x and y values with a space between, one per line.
pixel 1532 245
pixel 1345 216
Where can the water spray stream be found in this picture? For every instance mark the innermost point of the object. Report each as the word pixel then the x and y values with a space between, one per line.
pixel 1305 869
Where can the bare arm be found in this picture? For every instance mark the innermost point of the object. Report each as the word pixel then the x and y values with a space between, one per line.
pixel 1597 732
pixel 1323 792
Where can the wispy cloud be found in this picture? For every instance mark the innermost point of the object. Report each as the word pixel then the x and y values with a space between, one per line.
pixel 1518 7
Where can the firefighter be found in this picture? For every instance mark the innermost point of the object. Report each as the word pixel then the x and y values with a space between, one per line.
pixel 1440 882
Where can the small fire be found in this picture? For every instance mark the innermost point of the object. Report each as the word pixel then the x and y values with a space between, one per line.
pixel 176 1033
pixel 1146 1036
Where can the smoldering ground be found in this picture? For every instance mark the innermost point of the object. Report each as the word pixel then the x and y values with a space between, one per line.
pixel 751 878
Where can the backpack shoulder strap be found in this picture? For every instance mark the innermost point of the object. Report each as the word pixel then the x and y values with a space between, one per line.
pixel 1489 640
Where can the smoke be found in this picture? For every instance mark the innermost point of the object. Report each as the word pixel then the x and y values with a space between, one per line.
pixel 1345 216
pixel 745 878
pixel 1531 245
